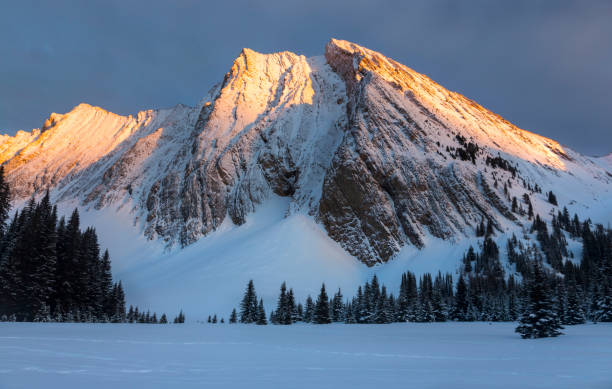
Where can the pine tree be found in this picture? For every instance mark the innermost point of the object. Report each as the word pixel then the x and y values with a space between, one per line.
pixel 233 317
pixel 361 307
pixel 438 306
pixel 299 313
pixel 261 314
pixel 282 315
pixel 119 304
pixel 460 309
pixel 539 319
pixel 248 307
pixel 106 285
pixel 180 319
pixel 603 304
pixel 337 307
pixel 309 310
pixel 382 314
pixel 321 313
pixel 163 319
pixel 552 198
pixel 575 312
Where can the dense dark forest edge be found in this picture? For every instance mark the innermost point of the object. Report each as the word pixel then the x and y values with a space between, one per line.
pixel 52 270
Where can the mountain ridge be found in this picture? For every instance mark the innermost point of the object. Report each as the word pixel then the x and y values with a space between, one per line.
pixel 380 155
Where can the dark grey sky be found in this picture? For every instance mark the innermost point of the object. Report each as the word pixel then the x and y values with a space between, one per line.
pixel 544 65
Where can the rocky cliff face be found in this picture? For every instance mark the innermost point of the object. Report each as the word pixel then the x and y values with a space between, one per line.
pixel 379 154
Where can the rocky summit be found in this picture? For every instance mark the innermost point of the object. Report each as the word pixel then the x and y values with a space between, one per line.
pixel 378 154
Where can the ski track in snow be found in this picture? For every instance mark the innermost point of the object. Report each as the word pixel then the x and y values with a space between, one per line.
pixel 454 355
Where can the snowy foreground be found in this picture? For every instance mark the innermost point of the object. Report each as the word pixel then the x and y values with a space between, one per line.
pixel 451 355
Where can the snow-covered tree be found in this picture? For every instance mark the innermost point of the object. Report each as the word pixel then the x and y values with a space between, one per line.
pixel 321 313
pixel 539 319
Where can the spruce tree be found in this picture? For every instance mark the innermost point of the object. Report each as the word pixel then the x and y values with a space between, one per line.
pixel 291 307
pixel 552 198
pixel 106 285
pixel 575 312
pixel 282 315
pixel 261 314
pixel 337 307
pixel 309 310
pixel 248 306
pixel 321 313
pixel 233 317
pixel 460 308
pixel 603 304
pixel 539 319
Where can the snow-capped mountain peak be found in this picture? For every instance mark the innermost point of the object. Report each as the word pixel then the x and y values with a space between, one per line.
pixel 380 155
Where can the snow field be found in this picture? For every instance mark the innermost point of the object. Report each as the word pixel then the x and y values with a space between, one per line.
pixel 452 355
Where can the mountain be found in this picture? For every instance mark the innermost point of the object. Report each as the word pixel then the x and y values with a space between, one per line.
pixel 378 155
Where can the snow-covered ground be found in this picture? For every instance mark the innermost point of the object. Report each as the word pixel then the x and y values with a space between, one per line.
pixel 450 355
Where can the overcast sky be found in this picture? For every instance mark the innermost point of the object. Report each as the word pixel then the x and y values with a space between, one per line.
pixel 544 65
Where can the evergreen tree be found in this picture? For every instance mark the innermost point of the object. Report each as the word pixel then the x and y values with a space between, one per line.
pixel 539 319
pixel 180 319
pixel 282 315
pixel 106 285
pixel 261 314
pixel 438 306
pixel 291 307
pixel 552 198
pixel 321 313
pixel 460 309
pixel 575 312
pixel 309 310
pixel 119 304
pixel 603 304
pixel 382 313
pixel 233 317
pixel 337 307
pixel 248 307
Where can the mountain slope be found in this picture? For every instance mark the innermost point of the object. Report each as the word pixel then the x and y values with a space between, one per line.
pixel 380 155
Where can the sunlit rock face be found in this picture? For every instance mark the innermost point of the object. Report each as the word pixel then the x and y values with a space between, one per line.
pixel 379 154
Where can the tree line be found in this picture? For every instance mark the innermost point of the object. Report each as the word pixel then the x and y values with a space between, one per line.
pixel 51 270
pixel 552 290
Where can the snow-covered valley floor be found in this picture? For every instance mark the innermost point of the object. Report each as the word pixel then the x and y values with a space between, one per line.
pixel 450 355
